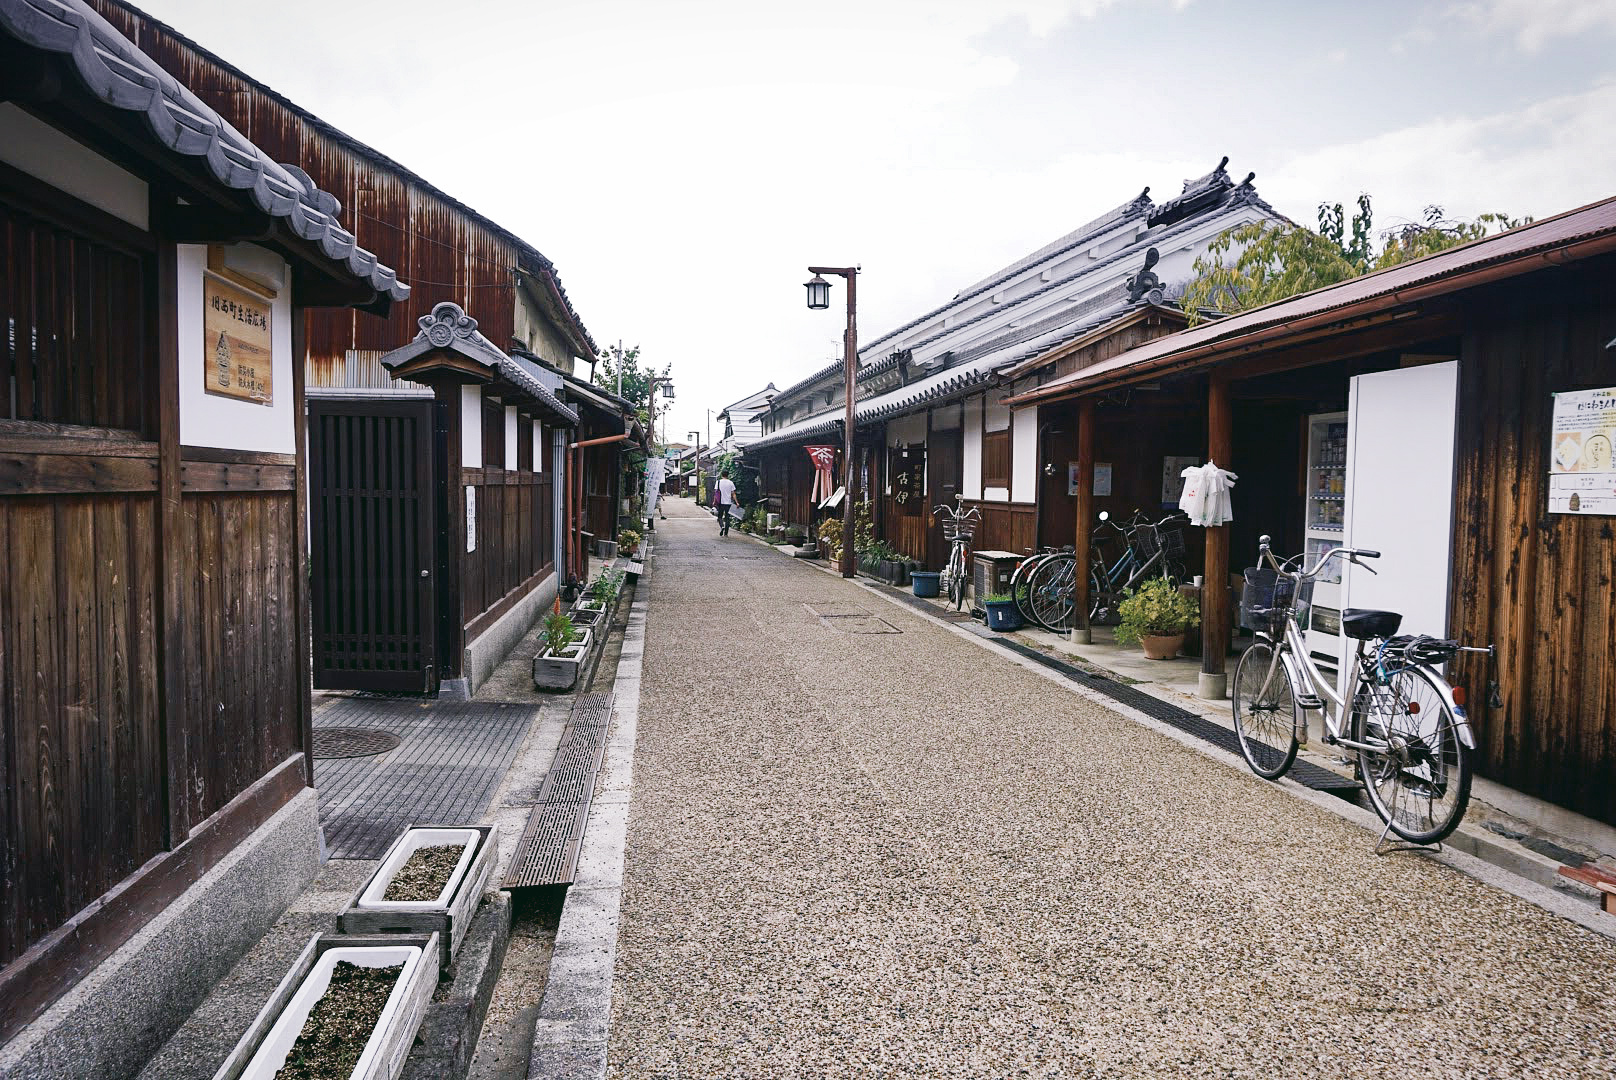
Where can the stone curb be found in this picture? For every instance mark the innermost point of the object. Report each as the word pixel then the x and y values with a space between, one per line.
pixel 449 1031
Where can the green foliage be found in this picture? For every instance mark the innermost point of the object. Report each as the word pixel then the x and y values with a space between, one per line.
pixel 636 377
pixel 1156 609
pixel 1277 261
pixel 1000 598
pixel 606 587
pixel 745 480
pixel 628 539
pixel 558 633
pixel 830 531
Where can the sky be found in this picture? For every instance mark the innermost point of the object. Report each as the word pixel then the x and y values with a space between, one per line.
pixel 682 162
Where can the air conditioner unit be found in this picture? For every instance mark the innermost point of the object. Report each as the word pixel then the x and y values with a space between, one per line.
pixel 990 575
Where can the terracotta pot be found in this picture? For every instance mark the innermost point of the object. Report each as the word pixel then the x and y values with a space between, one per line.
pixel 1163 647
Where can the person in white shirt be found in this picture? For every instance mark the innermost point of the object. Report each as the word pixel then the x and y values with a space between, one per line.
pixel 724 498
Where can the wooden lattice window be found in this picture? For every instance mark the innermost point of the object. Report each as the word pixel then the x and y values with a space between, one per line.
pixel 524 443
pixel 996 459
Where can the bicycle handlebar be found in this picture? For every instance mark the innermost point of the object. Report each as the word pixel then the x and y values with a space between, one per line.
pixel 1302 572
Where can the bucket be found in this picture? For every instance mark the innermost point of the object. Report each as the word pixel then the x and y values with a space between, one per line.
pixel 1003 615
pixel 925 582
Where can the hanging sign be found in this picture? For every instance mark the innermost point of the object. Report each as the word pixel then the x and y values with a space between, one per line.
pixel 1582 477
pixel 236 342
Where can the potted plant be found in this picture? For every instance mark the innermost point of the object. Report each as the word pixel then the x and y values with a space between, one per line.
pixel 628 541
pixel 1157 615
pixel 556 666
pixel 1003 614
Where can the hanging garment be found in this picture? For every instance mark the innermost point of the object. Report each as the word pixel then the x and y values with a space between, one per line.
pixel 1219 510
pixel 1192 500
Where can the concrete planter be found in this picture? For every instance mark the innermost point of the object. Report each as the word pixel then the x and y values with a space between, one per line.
pixel 262 1051
pixel 560 671
pixel 451 912
pixel 587 618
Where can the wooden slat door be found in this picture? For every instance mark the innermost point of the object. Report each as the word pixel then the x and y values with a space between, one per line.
pixel 372 545
pixel 945 465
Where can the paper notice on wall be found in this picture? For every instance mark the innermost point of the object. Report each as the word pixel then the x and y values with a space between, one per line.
pixel 1582 476
pixel 471 519
pixel 1102 478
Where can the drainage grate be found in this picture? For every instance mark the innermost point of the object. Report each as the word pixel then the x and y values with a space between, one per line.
pixel 345 742
pixel 547 854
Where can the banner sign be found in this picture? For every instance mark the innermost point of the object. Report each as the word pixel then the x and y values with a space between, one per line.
pixel 1582 477
pixel 824 459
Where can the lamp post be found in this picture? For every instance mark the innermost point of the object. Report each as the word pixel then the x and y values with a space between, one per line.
pixel 818 300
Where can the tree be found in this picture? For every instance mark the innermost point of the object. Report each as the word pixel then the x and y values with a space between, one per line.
pixel 636 380
pixel 1276 261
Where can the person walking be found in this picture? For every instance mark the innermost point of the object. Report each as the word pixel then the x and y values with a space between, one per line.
pixel 724 498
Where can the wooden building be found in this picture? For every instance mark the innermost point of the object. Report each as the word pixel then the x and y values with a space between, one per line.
pixel 1491 509
pixel 155 271
pixel 932 423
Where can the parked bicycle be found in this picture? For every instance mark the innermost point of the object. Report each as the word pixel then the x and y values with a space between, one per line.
pixel 959 526
pixel 1390 703
pixel 1149 549
pixel 1021 587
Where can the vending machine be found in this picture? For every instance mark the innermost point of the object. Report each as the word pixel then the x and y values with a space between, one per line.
pixel 1326 483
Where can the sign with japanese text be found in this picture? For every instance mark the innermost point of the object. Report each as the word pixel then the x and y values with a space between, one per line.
pixel 236 342
pixel 1582 476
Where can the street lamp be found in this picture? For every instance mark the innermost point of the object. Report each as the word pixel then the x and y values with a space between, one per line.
pixel 818 300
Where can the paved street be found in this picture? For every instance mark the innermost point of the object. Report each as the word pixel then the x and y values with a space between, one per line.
pixel 897 854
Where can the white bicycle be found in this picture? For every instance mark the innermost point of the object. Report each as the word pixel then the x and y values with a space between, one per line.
pixel 1389 703
pixel 959 526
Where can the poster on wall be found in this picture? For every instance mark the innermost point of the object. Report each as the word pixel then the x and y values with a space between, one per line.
pixel 1582 477
pixel 236 342
pixel 1173 477
pixel 1102 478
pixel 1071 477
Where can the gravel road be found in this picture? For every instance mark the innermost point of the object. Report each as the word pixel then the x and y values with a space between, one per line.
pixel 897 854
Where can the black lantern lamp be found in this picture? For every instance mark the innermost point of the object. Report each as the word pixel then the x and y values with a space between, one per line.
pixel 818 293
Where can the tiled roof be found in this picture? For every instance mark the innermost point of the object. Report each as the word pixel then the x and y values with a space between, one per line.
pixel 125 78
pixel 448 327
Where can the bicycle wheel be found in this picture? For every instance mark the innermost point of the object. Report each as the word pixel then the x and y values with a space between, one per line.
pixel 956 581
pixel 1018 584
pixel 1419 783
pixel 1264 724
pixel 1049 594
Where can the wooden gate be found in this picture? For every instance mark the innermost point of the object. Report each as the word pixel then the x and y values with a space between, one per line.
pixel 371 535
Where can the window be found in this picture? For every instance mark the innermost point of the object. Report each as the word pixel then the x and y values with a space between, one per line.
pixel 524 443
pixel 493 434
pixel 996 459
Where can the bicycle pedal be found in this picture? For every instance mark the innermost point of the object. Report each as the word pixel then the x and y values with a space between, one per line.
pixel 1309 701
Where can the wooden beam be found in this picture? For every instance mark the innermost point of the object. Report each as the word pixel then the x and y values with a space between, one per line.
pixel 302 624
pixel 1083 538
pixel 452 535
pixel 211 476
pixel 1215 593
pixel 75 474
pixel 174 559
pixel 1323 348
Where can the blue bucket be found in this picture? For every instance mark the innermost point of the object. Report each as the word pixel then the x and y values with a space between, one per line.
pixel 925 582
pixel 1003 615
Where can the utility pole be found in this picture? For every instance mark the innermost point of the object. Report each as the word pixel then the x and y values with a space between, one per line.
pixel 818 299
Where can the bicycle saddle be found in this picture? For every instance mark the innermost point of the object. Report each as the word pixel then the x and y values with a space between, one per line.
pixel 1364 623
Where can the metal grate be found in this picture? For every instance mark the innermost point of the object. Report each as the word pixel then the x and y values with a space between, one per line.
pixel 547 853
pixel 344 742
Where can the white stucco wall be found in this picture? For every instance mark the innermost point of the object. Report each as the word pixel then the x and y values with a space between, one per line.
pixel 32 146
pixel 511 449
pixel 971 481
pixel 471 427
pixel 1024 462
pixel 213 420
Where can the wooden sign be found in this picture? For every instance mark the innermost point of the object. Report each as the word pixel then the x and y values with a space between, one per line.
pixel 236 343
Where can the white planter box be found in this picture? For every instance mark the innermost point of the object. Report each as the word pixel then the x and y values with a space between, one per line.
pixel 560 672
pixel 262 1050
pixel 450 914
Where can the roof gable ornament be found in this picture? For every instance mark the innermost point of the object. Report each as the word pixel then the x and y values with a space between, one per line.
pixel 1146 284
pixel 446 323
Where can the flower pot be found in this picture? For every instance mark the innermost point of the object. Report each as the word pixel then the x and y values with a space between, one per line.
pixel 924 582
pixel 1162 646
pixel 1003 615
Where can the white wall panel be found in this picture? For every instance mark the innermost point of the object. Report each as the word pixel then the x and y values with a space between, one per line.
pixel 971 482
pixel 1024 457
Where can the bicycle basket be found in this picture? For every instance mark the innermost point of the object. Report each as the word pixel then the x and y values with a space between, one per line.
pixel 1172 543
pixel 1146 543
pixel 1269 597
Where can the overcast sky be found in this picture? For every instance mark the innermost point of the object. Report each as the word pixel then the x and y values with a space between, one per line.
pixel 683 161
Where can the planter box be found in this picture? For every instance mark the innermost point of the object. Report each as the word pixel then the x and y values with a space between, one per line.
pixel 586 618
pixel 450 914
pixel 588 603
pixel 262 1050
pixel 606 549
pixel 560 672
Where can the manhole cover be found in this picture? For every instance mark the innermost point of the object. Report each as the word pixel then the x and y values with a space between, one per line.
pixel 334 742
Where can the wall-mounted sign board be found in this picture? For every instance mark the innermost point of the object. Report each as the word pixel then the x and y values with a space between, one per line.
pixel 1582 475
pixel 236 342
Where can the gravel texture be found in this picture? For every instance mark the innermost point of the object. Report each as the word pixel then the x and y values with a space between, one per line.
pixel 425 873
pixel 902 855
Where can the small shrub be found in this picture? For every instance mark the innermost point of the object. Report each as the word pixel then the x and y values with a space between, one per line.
pixel 628 539
pixel 558 633
pixel 1156 609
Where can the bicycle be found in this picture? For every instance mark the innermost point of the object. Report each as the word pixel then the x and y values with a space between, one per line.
pixel 1023 574
pixel 1390 704
pixel 958 530
pixel 1150 549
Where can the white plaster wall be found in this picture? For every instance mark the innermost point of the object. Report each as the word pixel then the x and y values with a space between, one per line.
pixel 971 482
pixel 210 419
pixel 471 427
pixel 32 146
pixel 1024 456
pixel 511 430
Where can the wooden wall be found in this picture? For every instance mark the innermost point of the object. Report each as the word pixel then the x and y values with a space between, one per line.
pixel 1005 527
pixel 1537 584
pixel 515 541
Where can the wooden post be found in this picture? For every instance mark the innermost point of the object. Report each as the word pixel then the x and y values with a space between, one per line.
pixel 1214 681
pixel 300 542
pixel 451 623
pixel 174 555
pixel 1083 537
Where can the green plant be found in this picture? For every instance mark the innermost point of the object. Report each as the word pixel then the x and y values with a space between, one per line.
pixel 628 539
pixel 999 598
pixel 558 633
pixel 1156 609
pixel 605 587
